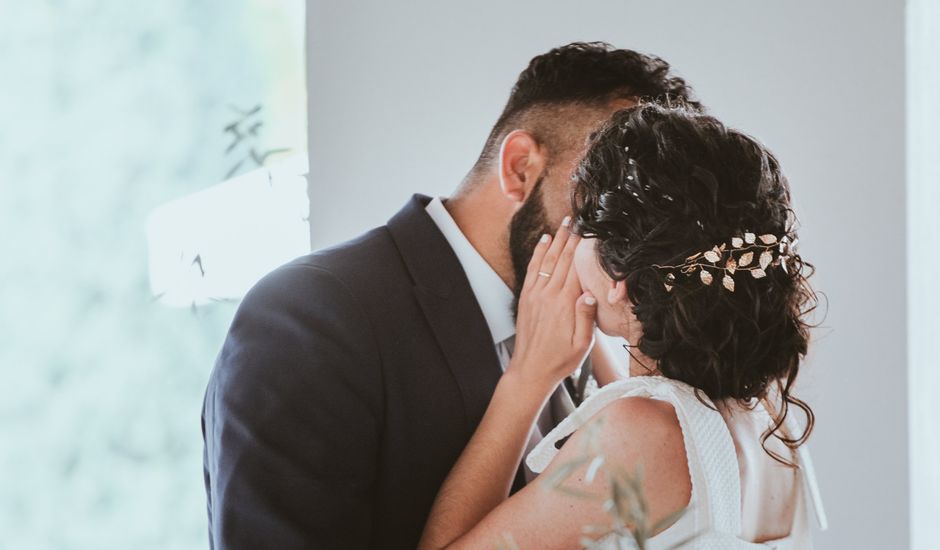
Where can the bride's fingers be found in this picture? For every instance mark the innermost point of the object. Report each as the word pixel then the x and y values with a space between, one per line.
pixel 535 263
pixel 585 312
pixel 572 281
pixel 565 262
pixel 547 269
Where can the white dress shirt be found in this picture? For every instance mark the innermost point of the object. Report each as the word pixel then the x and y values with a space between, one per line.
pixel 493 295
pixel 495 299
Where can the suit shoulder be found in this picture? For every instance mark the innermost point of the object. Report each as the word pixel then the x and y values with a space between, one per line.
pixel 301 313
pixel 331 268
pixel 372 251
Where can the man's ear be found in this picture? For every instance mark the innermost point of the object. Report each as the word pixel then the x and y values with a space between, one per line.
pixel 521 162
pixel 617 292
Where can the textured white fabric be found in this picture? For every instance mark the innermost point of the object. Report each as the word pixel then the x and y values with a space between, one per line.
pixel 715 505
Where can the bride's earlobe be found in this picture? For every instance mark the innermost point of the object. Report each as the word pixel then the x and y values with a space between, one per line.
pixel 617 292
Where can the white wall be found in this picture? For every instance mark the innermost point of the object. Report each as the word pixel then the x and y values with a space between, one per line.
pixel 403 94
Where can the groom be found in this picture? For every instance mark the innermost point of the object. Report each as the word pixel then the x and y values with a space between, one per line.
pixel 352 378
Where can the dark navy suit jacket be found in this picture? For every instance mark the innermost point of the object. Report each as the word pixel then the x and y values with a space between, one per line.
pixel 348 384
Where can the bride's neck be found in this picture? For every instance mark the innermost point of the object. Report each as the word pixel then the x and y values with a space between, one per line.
pixel 640 364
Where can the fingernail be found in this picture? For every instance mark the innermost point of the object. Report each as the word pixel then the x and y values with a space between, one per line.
pixel 590 300
pixel 544 239
pixel 566 222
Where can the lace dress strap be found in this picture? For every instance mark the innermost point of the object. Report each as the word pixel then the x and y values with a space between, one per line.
pixel 712 460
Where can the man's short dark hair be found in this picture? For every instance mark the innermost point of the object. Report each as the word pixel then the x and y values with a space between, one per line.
pixel 579 75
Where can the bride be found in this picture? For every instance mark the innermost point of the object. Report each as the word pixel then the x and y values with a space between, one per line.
pixel 682 244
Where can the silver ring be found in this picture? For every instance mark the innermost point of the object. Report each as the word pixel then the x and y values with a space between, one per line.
pixel 543 274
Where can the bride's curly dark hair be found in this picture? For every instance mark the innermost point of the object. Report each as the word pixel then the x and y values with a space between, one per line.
pixel 660 183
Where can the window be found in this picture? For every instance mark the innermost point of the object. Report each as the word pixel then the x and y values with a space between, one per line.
pixel 119 162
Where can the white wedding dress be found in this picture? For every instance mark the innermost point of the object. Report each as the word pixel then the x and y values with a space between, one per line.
pixel 714 513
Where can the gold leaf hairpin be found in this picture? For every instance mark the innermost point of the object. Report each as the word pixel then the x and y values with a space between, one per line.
pixel 770 251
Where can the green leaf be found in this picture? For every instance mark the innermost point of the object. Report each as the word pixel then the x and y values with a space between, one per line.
pixel 577 493
pixel 593 468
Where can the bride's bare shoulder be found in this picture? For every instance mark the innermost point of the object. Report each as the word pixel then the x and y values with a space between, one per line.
pixel 644 432
pixel 641 417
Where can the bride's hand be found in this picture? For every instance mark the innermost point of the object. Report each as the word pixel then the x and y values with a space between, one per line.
pixel 555 324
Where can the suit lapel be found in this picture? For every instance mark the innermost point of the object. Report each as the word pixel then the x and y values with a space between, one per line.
pixel 468 347
pixel 447 301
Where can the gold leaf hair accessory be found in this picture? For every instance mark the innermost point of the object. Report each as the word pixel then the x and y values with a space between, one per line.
pixel 747 252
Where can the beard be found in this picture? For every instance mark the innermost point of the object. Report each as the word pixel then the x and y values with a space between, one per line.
pixel 525 229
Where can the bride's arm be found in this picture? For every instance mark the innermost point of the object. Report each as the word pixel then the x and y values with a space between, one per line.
pixel 483 475
pixel 554 331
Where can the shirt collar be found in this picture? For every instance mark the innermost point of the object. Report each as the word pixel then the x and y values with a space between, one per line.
pixel 493 295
